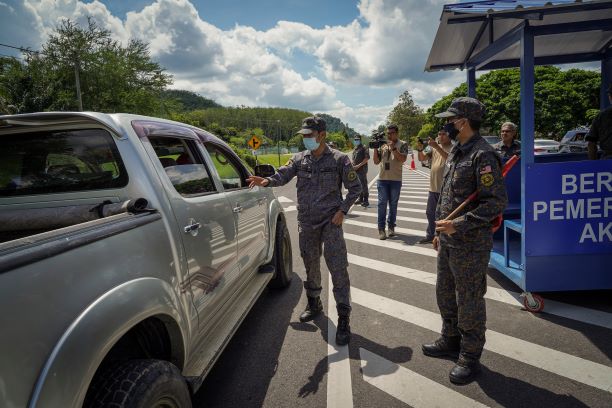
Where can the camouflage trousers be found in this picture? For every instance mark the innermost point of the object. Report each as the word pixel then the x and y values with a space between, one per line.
pixel 363 179
pixel 460 290
pixel 329 240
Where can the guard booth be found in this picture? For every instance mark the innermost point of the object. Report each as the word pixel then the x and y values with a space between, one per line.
pixel 557 231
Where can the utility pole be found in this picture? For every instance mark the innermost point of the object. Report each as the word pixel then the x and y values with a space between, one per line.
pixel 78 85
pixel 278 142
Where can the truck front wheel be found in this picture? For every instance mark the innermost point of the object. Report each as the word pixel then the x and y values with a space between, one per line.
pixel 283 257
pixel 140 384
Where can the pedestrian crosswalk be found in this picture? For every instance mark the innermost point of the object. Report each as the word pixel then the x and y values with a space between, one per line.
pixel 577 373
pixel 400 258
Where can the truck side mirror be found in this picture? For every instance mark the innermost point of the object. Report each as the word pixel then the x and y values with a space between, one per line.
pixel 264 170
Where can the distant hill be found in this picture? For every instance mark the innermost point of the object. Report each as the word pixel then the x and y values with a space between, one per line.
pixel 189 100
pixel 336 125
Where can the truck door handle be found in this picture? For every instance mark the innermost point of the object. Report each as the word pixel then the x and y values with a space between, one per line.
pixel 237 209
pixel 194 226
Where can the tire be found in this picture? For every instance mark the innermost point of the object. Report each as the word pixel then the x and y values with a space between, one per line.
pixel 283 257
pixel 140 384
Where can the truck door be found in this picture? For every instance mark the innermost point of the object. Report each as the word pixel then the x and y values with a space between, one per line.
pixel 249 207
pixel 205 217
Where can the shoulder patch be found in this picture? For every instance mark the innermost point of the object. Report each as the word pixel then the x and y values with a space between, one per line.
pixel 487 180
pixel 289 163
pixel 352 175
pixel 485 169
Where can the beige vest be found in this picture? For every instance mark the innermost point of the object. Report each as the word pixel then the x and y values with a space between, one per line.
pixel 390 168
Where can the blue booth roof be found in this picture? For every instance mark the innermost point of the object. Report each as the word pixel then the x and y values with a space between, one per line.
pixel 484 34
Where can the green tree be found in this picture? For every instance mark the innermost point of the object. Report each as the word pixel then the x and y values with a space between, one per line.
pixel 563 99
pixel 112 78
pixel 407 115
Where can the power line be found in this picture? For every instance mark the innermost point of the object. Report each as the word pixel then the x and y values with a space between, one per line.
pixel 20 48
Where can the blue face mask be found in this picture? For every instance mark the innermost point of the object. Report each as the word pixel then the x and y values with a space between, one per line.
pixel 356 142
pixel 311 143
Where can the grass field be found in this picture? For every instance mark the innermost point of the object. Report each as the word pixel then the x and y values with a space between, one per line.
pixel 273 159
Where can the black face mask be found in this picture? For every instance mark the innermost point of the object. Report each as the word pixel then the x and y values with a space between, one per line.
pixel 451 130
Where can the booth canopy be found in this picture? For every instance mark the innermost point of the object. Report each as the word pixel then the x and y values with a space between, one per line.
pixel 485 35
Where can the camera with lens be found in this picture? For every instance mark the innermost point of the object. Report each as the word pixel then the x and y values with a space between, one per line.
pixel 378 139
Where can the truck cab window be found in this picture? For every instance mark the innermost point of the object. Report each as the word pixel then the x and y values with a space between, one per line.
pixel 183 165
pixel 59 161
pixel 229 172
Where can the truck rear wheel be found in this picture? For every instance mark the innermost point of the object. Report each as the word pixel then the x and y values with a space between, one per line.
pixel 283 257
pixel 140 384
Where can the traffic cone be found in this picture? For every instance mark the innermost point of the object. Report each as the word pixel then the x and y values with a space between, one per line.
pixel 412 165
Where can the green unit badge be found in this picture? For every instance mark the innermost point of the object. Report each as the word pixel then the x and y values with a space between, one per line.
pixel 487 180
pixel 352 175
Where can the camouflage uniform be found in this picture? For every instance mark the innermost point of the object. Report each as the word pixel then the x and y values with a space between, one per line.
pixel 463 256
pixel 319 196
pixel 507 152
pixel 601 131
pixel 360 153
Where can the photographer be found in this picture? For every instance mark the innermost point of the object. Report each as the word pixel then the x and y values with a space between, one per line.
pixel 389 157
pixel 437 155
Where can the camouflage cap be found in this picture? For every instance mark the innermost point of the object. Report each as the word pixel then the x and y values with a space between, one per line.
pixel 312 123
pixel 465 107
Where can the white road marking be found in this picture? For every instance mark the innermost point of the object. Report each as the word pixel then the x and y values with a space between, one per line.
pixel 392 245
pixel 339 386
pixel 423 173
pixel 412 193
pixel 398 230
pixel 401 218
pixel 283 199
pixel 408 192
pixel 578 313
pixel 409 387
pixel 405 202
pixel 290 208
pixel 414 210
pixel 566 365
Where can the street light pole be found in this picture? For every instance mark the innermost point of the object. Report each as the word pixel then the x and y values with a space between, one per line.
pixel 278 136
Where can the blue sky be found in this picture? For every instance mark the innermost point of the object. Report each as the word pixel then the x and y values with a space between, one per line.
pixel 262 14
pixel 351 59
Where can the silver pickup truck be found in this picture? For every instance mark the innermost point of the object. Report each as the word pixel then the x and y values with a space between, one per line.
pixel 131 248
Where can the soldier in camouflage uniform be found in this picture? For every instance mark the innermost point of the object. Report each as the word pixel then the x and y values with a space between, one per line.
pixel 464 243
pixel 361 155
pixel 321 171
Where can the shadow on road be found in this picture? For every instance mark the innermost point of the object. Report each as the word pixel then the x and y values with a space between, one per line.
pixel 397 355
pixel 593 299
pixel 267 322
pixel 512 392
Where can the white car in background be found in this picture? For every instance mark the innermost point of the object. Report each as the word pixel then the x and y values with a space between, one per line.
pixel 545 146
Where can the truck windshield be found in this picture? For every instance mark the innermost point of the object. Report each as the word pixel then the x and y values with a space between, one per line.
pixel 59 161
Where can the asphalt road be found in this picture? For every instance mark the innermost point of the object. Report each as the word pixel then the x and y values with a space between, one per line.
pixel 560 358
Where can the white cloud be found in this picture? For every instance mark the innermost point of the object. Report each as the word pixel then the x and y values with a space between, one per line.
pixel 386 46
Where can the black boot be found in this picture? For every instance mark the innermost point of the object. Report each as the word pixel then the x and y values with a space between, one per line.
pixel 313 309
pixel 444 346
pixel 343 331
pixel 464 371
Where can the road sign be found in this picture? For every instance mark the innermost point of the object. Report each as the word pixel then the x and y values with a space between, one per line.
pixel 254 142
